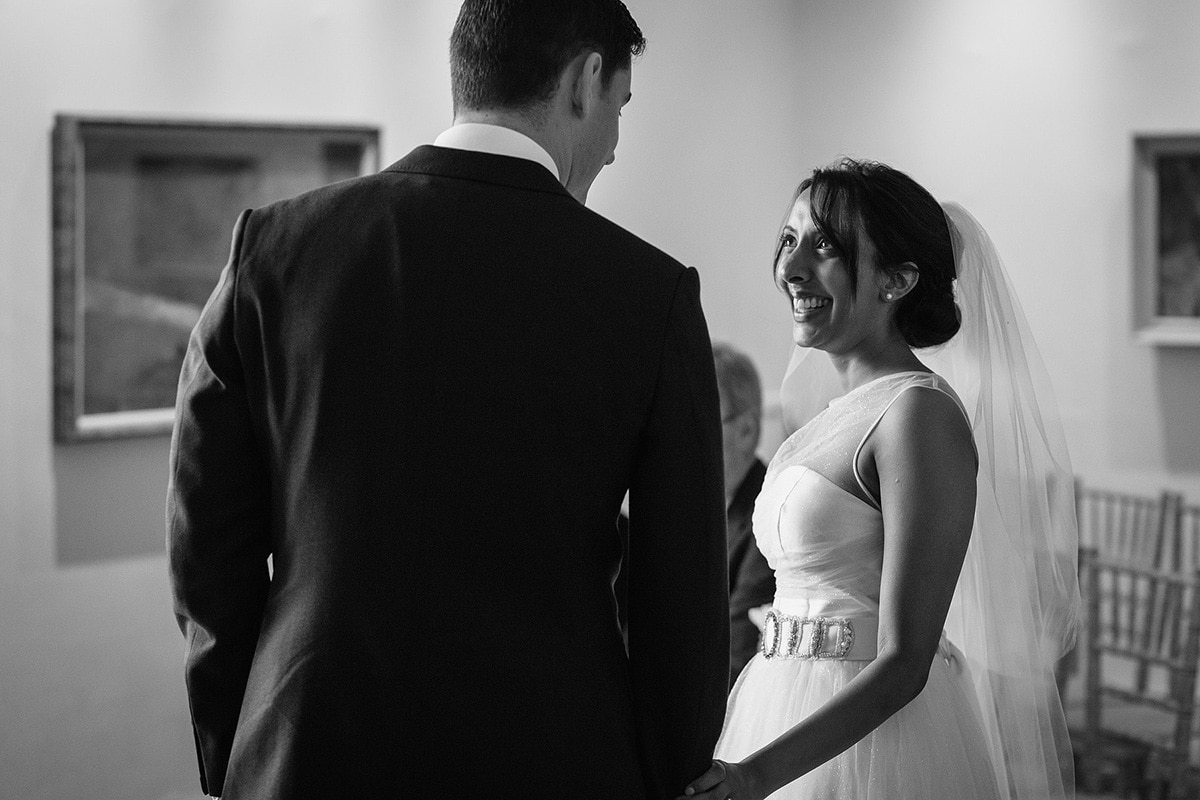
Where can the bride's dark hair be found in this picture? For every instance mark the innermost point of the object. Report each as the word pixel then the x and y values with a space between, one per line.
pixel 905 224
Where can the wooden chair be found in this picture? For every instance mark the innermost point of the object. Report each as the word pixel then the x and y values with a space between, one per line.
pixel 1140 617
pixel 1133 529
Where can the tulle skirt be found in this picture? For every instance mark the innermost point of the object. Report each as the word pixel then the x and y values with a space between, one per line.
pixel 932 749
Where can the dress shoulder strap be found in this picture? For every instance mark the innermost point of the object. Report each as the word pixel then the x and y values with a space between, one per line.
pixel 922 381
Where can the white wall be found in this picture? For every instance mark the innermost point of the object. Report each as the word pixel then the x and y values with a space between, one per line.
pixel 1023 110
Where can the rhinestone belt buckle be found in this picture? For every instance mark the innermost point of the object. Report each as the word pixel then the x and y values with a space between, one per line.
pixel 820 636
pixel 772 632
pixel 783 635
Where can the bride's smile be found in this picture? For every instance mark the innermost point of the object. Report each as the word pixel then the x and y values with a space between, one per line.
pixel 805 306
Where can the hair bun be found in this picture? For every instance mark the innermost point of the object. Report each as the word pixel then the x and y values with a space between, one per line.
pixel 930 318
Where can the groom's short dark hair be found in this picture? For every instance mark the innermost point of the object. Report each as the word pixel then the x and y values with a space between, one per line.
pixel 510 53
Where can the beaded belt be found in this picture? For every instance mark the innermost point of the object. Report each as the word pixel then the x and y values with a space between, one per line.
pixel 788 636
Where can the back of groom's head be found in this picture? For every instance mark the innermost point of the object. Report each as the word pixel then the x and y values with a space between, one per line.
pixel 509 54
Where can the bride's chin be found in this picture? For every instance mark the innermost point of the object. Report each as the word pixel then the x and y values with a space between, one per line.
pixel 803 335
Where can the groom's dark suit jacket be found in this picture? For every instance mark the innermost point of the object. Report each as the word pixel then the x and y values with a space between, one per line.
pixel 424 393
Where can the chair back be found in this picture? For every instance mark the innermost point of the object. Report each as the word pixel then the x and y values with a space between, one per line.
pixel 1133 528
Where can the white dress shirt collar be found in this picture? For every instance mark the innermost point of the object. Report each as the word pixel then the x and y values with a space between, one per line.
pixel 498 140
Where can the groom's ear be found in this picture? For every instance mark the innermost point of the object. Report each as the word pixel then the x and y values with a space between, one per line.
pixel 586 80
pixel 898 281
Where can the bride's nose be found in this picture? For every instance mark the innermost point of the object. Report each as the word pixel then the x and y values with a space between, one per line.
pixel 790 272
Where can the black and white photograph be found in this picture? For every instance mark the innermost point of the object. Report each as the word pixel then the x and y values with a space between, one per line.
pixel 600 400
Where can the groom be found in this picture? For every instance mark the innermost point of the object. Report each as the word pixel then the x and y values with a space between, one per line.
pixel 424 394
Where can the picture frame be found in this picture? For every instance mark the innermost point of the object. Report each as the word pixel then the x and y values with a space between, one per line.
pixel 143 214
pixel 1166 234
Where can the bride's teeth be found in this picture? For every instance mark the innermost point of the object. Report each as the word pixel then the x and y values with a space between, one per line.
pixel 805 303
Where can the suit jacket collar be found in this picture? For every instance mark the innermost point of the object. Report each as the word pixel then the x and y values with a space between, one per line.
pixel 739 530
pixel 516 173
pixel 748 489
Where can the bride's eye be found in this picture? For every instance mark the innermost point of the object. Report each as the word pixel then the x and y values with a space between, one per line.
pixel 821 243
pixel 787 240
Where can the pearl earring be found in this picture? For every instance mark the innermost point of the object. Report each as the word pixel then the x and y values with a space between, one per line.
pixel 887 296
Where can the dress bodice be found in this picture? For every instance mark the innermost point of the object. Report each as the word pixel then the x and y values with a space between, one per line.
pixel 824 540
pixel 825 544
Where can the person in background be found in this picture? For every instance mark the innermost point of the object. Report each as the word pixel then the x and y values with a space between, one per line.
pixel 751 581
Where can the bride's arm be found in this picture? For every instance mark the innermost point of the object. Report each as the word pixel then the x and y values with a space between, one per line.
pixel 926 466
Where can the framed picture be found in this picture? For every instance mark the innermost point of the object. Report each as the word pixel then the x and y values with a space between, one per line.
pixel 1166 231
pixel 143 218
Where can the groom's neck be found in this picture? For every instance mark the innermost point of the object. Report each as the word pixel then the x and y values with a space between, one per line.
pixel 521 122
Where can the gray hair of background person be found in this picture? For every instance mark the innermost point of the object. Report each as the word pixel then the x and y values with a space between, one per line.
pixel 738 381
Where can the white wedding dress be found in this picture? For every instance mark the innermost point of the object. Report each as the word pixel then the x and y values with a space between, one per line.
pixel 825 543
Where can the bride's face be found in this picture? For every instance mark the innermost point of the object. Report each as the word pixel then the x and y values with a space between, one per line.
pixel 828 313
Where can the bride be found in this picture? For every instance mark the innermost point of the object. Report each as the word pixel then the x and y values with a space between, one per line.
pixel 920 526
